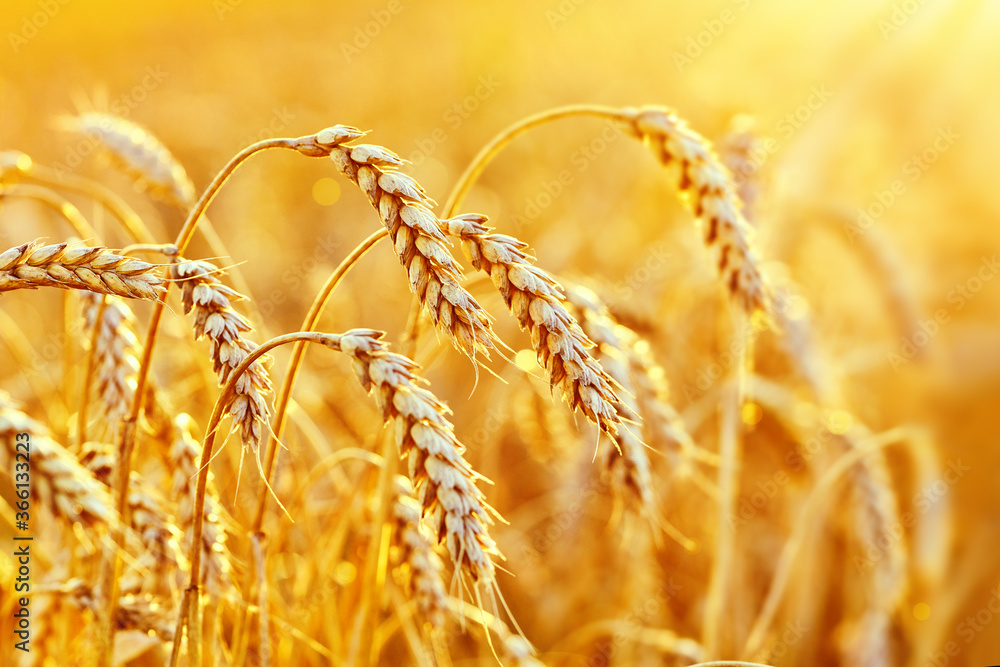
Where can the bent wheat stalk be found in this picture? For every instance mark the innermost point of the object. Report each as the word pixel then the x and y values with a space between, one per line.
pixel 46 196
pixel 444 480
pixel 806 520
pixel 28 168
pixel 68 266
pixel 705 182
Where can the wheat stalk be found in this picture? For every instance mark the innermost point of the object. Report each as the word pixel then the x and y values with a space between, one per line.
pixel 535 299
pixel 71 266
pixel 66 210
pixel 214 317
pixel 24 166
pixel 422 570
pixel 139 153
pixel 705 183
pixel 57 480
pixel 417 237
pixel 184 454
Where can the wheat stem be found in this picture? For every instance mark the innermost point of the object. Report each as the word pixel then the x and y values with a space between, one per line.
pixel 80 226
pixel 309 323
pixel 805 522
pixel 500 141
pixel 704 182
pixel 127 439
pixel 728 476
pixel 121 211
pixel 192 593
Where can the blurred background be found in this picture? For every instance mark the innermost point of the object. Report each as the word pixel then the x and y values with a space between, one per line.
pixel 872 187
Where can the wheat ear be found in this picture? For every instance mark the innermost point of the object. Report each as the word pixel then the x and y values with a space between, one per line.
pixel 214 317
pixel 139 153
pixel 417 237
pixel 58 481
pixel 535 299
pixel 160 563
pixel 69 266
pixel 444 480
pixel 143 612
pixel 114 353
pixel 422 570
pixel 712 197
pixel 630 460
pixel 704 181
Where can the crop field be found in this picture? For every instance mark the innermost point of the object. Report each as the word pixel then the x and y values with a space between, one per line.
pixel 566 333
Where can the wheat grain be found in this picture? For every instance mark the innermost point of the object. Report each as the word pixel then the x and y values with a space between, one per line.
pixel 444 480
pixel 422 569
pixel 712 197
pixel 115 362
pixel 535 299
pixel 139 153
pixel 58 481
pixel 211 301
pixel 70 266
pixel 417 237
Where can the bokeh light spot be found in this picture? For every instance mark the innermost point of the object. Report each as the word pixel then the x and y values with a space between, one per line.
pixel 921 611
pixel 751 414
pixel 326 191
pixel 345 572
pixel 839 422
pixel 525 359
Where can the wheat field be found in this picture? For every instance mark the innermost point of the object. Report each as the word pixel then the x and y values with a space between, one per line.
pixel 569 333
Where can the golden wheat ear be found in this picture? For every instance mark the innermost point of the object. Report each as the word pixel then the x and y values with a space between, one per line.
pixel 137 152
pixel 445 482
pixel 536 300
pixel 421 569
pixel 712 197
pixel 72 266
pixel 59 482
pixel 214 317
pixel 113 349
pixel 405 210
